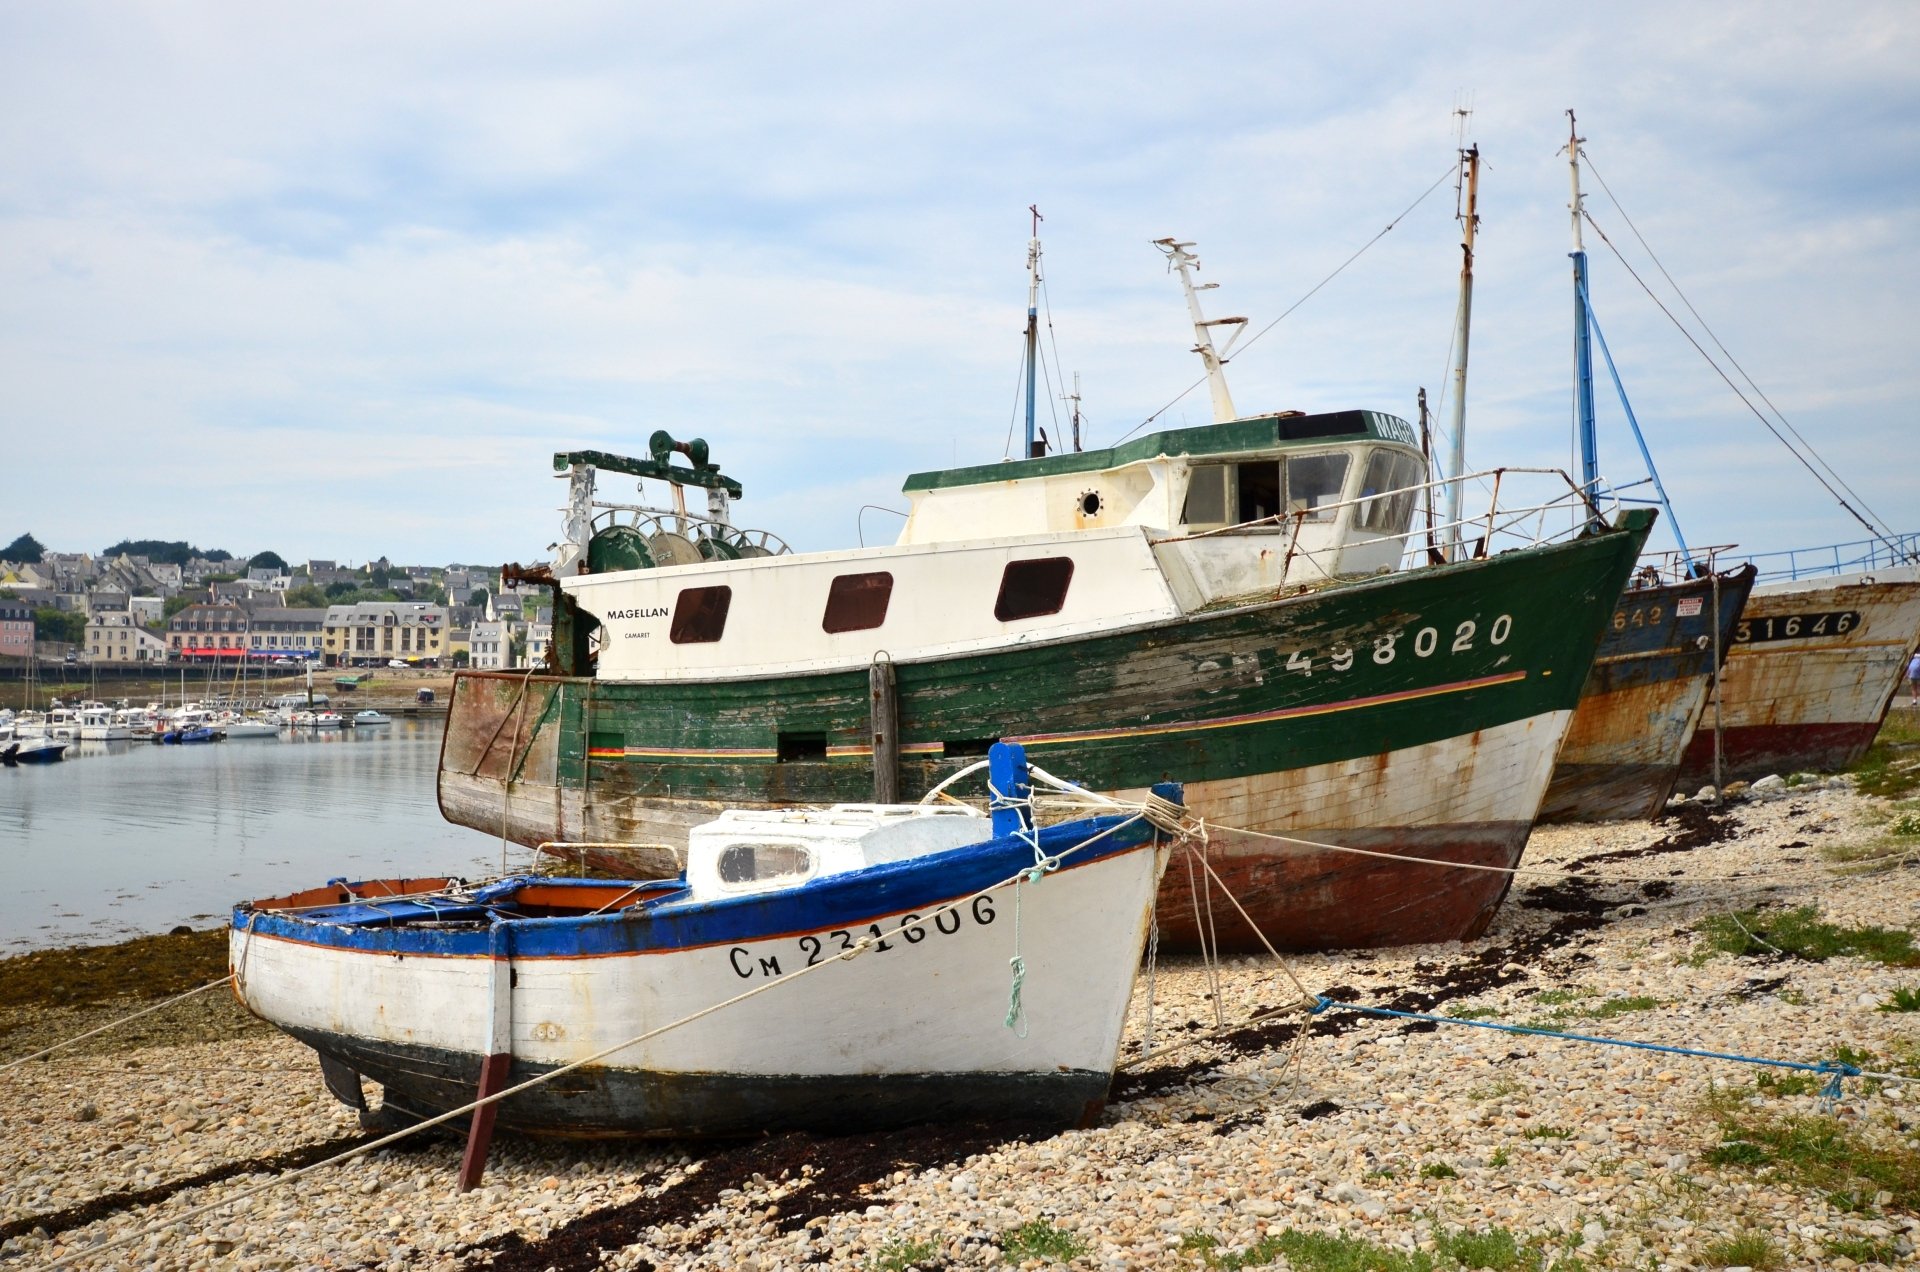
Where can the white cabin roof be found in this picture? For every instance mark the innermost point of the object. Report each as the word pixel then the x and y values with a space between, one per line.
pixel 747 851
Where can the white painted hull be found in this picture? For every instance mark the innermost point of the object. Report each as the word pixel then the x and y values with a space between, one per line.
pixel 926 1013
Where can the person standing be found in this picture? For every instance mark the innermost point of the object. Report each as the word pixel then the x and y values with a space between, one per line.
pixel 1913 679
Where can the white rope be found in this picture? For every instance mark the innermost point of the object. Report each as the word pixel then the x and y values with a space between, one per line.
pixel 858 948
pixel 115 1024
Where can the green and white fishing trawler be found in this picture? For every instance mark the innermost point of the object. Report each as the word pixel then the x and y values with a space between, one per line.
pixel 1222 605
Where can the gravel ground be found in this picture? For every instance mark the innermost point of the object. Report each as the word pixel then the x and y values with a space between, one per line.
pixel 1377 1129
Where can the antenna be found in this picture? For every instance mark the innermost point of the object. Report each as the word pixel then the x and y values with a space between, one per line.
pixel 1074 397
pixel 1033 322
pixel 1184 261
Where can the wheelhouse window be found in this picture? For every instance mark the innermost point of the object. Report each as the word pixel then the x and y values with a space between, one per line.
pixel 744 864
pixel 1388 489
pixel 1029 589
pixel 1313 482
pixel 1207 495
pixel 857 602
pixel 700 615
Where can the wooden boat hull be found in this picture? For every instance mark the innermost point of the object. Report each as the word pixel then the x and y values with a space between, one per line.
pixel 1802 695
pixel 1643 699
pixel 1287 704
pixel 914 1029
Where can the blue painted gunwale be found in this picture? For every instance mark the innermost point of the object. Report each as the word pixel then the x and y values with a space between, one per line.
pixel 675 922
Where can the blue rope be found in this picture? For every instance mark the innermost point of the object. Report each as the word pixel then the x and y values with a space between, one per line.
pixel 1831 1091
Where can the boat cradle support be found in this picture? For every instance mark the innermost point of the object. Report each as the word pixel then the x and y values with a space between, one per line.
pixel 499 1053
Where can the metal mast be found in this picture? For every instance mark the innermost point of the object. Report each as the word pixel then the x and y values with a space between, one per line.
pixel 1033 317
pixel 1179 258
pixel 1458 456
pixel 1582 329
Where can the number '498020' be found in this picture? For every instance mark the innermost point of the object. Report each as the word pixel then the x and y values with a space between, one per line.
pixel 1422 642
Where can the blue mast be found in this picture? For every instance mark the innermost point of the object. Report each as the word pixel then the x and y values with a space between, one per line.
pixel 1582 333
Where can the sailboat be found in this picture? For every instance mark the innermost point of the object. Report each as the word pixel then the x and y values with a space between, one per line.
pixel 1221 604
pixel 1669 633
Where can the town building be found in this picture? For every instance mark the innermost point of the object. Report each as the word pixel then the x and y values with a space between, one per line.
pixel 16 630
pixel 208 632
pixel 373 632
pixel 116 636
pixel 280 631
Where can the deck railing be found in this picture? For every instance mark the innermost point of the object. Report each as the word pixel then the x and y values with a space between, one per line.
pixel 1835 558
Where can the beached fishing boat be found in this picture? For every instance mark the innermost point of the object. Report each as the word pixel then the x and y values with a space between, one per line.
pixel 1669 633
pixel 1218 603
pixel 1814 664
pixel 881 935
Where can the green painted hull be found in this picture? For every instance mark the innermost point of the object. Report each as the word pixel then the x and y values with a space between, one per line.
pixel 1239 700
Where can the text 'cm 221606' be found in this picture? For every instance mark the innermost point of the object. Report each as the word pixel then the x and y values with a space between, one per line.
pixel 815 947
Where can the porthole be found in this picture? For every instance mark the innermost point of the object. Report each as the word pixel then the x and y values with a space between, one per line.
pixel 1090 503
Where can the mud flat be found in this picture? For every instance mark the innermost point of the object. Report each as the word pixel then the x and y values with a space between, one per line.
pixel 1367 1143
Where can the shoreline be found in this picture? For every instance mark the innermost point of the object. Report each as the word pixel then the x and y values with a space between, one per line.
pixel 1413 1138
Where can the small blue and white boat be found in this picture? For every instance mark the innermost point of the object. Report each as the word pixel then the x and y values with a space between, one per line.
pixel 908 938
pixel 30 750
pixel 361 719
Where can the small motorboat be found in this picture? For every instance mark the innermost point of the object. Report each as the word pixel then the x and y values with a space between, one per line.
pixel 193 733
pixel 327 720
pixel 370 717
pixel 938 965
pixel 33 751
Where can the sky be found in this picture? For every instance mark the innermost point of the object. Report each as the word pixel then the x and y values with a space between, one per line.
pixel 338 280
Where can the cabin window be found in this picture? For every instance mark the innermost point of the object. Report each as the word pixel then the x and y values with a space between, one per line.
pixel 1313 483
pixel 1258 488
pixel 857 602
pixel 700 615
pixel 1029 589
pixel 742 864
pixel 1206 495
pixel 1388 491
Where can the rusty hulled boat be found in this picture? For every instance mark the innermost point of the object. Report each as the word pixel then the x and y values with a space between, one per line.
pixel 1668 636
pixel 1644 697
pixel 1296 685
pixel 1225 603
pixel 1813 665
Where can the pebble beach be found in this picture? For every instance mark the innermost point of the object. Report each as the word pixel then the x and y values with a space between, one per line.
pixel 1404 1143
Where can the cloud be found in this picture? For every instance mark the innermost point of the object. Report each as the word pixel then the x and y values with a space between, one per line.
pixel 326 279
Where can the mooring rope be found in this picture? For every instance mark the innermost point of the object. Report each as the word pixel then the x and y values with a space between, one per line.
pixel 115 1024
pixel 1835 1070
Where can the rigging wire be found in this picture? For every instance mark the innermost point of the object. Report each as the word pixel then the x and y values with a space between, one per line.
pixel 1679 326
pixel 1338 270
pixel 1713 336
pixel 1053 405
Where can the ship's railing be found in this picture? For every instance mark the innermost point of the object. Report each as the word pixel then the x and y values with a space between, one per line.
pixel 688 525
pixel 1530 520
pixel 1674 566
pixel 1835 558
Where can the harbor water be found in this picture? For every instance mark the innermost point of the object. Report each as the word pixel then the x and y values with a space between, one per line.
pixel 125 838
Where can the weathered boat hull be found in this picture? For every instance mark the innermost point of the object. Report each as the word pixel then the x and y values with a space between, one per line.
pixel 1644 697
pixel 913 1029
pixel 1288 705
pixel 1799 694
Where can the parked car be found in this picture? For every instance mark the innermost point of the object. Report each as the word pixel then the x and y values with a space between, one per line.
pixel 397 662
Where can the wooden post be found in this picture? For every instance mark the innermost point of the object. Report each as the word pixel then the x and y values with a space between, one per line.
pixel 884 726
pixel 493 1070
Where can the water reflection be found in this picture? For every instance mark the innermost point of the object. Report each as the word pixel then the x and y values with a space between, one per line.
pixel 130 837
